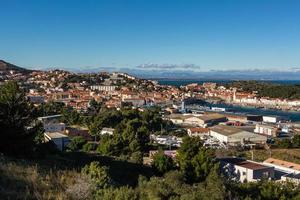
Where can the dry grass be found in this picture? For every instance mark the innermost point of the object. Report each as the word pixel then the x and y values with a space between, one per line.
pixel 291 155
pixel 25 180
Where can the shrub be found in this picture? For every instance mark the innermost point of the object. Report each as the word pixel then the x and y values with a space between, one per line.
pixel 162 163
pixel 88 147
pixel 76 143
pixel 98 174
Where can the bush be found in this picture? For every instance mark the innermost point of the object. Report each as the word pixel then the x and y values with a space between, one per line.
pixel 98 174
pixel 76 143
pixel 137 157
pixel 82 189
pixel 88 147
pixel 162 163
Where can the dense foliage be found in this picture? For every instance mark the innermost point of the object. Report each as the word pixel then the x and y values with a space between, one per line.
pixel 162 163
pixel 265 89
pixel 19 131
pixel 131 134
pixel 111 173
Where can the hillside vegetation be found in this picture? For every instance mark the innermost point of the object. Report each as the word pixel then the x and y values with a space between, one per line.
pixel 5 66
pixel 265 89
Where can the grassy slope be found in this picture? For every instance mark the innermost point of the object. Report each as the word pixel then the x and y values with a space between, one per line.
pixel 50 178
pixel 291 155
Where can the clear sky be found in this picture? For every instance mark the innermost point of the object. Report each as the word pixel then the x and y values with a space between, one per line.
pixel 211 34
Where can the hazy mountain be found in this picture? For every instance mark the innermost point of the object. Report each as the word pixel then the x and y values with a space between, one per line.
pixel 5 66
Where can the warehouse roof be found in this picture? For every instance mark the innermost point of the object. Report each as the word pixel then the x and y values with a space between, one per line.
pixel 225 130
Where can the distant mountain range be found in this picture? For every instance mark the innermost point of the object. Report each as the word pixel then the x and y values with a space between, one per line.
pixel 5 66
pixel 180 72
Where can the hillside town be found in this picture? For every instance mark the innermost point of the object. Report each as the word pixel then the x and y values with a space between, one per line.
pixel 216 128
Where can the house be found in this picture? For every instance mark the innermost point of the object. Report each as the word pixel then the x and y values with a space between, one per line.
pixel 55 127
pixel 60 140
pixel 239 169
pixel 36 99
pixel 136 102
pixel 106 88
pixel 234 136
pixel 197 131
pixel 107 131
pixel 291 178
pixel 75 130
pixel 166 140
pixel 170 153
pixel 51 123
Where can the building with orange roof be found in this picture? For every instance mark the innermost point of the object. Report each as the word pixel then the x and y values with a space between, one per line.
pixel 197 131
pixel 283 165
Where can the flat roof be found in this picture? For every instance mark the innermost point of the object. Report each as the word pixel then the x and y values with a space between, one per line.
pixel 225 130
pixel 282 163
pixel 107 129
pixel 244 163
pixel 252 165
pixel 213 116
pixel 179 116
pixel 53 135
pixel 49 117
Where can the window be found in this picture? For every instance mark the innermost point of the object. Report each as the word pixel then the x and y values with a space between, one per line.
pixel 265 174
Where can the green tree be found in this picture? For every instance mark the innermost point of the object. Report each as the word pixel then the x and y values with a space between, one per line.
pixel 76 143
pixel 94 107
pixel 137 157
pixel 106 146
pixel 283 143
pixel 51 108
pixel 214 185
pixel 202 163
pixel 186 153
pixel 18 130
pixel 88 147
pixel 98 174
pixel 71 116
pixel 162 163
pixel 296 141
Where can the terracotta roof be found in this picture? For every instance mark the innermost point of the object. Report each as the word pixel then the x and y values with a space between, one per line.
pixel 251 165
pixel 199 130
pixel 243 163
pixel 283 163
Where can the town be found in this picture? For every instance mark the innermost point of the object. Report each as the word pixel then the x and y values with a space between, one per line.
pixel 227 133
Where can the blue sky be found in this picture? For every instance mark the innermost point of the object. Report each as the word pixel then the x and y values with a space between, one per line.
pixel 211 34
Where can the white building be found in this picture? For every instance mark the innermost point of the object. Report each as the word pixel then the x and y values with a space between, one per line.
pixel 271 119
pixel 60 140
pixel 166 140
pixel 266 130
pixel 55 127
pixel 107 131
pixel 197 132
pixel 107 88
pixel 36 99
pixel 238 169
pixel 233 136
pixel 51 123
pixel 206 120
pixel 284 171
pixel 282 165
pixel 136 102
